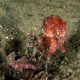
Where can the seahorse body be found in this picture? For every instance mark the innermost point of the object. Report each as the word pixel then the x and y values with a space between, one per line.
pixel 18 66
pixel 54 33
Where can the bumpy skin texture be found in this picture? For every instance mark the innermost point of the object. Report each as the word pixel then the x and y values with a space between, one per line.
pixel 17 65
pixel 54 33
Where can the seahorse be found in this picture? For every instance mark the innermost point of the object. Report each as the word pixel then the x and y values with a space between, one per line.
pixel 18 66
pixel 54 34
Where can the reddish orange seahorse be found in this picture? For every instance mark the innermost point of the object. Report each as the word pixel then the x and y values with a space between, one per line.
pixel 54 33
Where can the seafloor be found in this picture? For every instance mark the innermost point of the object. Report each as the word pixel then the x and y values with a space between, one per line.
pixel 21 21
